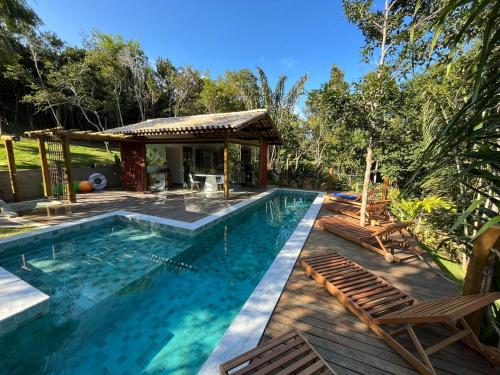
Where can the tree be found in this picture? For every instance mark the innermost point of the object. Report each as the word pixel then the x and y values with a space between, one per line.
pixel 102 56
pixel 219 96
pixel 163 74
pixel 471 134
pixel 45 52
pixel 187 85
pixel 17 21
pixel 243 84
pixel 329 115
pixel 280 104
pixel 134 60
pixel 395 33
pixel 385 30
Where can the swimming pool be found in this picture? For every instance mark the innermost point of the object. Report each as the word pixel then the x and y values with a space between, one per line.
pixel 132 296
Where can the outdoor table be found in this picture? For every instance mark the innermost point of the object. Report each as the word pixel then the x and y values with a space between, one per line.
pixel 210 181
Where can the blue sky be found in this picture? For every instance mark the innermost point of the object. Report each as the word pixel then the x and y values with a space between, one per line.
pixel 283 37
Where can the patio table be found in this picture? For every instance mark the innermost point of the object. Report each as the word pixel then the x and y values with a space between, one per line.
pixel 210 181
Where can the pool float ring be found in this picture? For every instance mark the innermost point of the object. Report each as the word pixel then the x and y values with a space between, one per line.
pixel 98 180
pixel 85 186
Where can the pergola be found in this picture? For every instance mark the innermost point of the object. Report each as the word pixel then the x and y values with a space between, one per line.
pixel 253 127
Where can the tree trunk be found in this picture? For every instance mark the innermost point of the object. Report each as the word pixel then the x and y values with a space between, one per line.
pixel 118 109
pixel 366 185
pixel 286 170
pixel 384 31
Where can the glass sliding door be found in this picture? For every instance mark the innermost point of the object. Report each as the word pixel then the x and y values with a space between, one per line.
pixel 250 165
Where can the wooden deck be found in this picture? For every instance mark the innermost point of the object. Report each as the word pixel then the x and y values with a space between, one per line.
pixel 344 341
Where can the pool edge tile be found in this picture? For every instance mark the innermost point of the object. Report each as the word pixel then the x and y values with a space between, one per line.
pixel 20 302
pixel 247 328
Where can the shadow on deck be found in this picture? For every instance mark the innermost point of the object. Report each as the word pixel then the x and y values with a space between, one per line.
pixel 345 342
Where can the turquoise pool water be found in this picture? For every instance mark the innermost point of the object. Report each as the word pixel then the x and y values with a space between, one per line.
pixel 128 298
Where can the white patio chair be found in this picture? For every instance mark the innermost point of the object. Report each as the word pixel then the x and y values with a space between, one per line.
pixel 194 183
pixel 220 182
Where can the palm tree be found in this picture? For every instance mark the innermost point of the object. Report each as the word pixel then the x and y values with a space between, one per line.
pixel 472 134
pixel 280 104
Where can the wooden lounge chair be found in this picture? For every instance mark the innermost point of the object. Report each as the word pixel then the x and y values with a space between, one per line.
pixel 286 354
pixel 391 240
pixel 345 197
pixel 391 313
pixel 350 196
pixel 375 210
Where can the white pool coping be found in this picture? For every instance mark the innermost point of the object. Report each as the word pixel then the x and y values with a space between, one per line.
pixel 176 224
pixel 19 302
pixel 247 328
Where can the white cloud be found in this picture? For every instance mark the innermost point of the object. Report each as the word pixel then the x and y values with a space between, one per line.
pixel 288 62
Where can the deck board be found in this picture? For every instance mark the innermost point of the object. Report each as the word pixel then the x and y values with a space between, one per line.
pixel 344 341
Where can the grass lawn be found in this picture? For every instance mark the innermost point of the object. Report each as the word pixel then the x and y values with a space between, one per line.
pixel 7 232
pixel 451 269
pixel 26 155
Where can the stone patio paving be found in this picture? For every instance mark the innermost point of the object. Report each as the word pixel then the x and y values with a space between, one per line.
pixel 181 205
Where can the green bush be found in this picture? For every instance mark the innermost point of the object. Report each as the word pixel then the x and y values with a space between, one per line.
pixel 432 216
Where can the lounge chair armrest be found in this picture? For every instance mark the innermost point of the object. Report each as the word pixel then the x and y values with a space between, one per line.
pixel 391 228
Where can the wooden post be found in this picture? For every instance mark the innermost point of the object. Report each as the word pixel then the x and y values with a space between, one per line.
pixel 263 163
pixel 11 162
pixel 366 186
pixel 67 169
pixel 47 189
pixel 385 191
pixel 474 277
pixel 226 165
pixel 330 179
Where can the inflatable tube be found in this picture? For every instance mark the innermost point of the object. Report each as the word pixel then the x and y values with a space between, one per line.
pixel 98 180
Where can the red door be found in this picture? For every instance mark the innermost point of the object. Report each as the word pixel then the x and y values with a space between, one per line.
pixel 133 155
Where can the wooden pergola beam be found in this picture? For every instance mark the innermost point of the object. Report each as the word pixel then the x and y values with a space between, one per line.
pixel 67 168
pixel 47 188
pixel 11 163
pixel 14 138
pixel 82 135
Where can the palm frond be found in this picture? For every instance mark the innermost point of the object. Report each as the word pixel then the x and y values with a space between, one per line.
pixel 265 89
pixel 296 91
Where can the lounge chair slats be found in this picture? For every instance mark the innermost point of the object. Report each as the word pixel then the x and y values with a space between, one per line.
pixel 380 305
pixel 344 209
pixel 380 240
pixel 375 209
pixel 277 358
pixel 291 335
pixel 287 354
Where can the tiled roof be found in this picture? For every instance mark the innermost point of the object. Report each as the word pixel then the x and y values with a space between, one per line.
pixel 188 124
